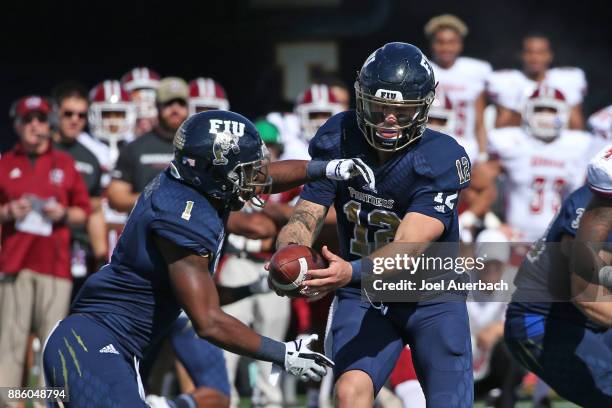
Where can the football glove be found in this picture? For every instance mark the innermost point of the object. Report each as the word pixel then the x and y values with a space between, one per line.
pixel 302 362
pixel 344 169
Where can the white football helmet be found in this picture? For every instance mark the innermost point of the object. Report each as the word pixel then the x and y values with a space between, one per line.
pixel 142 84
pixel 112 114
pixel 546 113
pixel 314 106
pixel 206 94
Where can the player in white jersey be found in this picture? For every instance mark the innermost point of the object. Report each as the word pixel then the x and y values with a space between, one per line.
pixel 313 107
pixel 600 123
pixel 462 79
pixel 543 160
pixel 510 88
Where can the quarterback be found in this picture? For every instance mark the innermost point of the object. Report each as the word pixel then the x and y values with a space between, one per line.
pixel 416 169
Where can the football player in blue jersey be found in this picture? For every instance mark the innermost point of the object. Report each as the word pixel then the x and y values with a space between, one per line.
pixel 163 262
pixel 558 322
pixel 419 173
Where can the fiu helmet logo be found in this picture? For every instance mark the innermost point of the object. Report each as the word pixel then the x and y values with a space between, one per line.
pixel 227 133
pixel 387 94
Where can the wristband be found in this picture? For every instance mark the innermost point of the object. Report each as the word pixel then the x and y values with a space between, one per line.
pixel 483 157
pixel 315 169
pixel 271 350
pixel 359 269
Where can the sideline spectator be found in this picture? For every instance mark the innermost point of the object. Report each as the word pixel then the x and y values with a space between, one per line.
pixel 88 247
pixel 41 195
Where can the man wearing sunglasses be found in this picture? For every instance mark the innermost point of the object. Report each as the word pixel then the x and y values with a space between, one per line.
pixel 88 244
pixel 41 196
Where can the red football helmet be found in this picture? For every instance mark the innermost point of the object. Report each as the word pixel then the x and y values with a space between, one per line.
pixel 546 112
pixel 142 84
pixel 206 94
pixel 112 114
pixel 314 106
pixel 441 115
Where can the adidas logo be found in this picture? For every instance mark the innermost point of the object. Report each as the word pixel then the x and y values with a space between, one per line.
pixel 109 349
pixel 439 208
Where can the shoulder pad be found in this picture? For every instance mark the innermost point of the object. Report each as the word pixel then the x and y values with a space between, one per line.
pixel 503 142
pixel 442 160
pixel 186 212
pixel 474 64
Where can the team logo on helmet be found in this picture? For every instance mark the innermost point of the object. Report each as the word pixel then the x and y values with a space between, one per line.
pixel 226 139
pixel 222 145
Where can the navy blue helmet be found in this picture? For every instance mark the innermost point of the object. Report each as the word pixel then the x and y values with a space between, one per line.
pixel 220 154
pixel 396 78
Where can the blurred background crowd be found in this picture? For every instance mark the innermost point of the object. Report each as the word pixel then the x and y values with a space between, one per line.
pixel 80 145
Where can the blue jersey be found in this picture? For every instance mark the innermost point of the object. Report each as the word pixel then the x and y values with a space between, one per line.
pixel 425 178
pixel 543 282
pixel 132 295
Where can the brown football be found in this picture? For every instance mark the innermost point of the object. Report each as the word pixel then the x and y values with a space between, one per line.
pixel 289 267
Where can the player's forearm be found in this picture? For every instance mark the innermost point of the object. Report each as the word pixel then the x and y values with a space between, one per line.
pixel 294 233
pixel 599 312
pixel 232 335
pixel 123 203
pixel 229 295
pixel 76 216
pixel 96 229
pixel 414 234
pixel 394 250
pixel 288 174
pixel 481 133
pixel 303 226
pixel 576 119
pixel 253 226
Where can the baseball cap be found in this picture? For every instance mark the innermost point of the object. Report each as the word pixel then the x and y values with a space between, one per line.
pixel 268 132
pixel 445 21
pixel 29 104
pixel 171 88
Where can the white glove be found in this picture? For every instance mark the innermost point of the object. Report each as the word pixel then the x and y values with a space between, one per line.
pixel 344 169
pixel 155 401
pixel 467 220
pixel 302 362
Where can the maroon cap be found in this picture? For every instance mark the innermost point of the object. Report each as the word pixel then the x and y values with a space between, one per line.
pixel 31 103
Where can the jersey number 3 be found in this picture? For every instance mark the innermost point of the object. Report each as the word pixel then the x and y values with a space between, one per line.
pixel 385 223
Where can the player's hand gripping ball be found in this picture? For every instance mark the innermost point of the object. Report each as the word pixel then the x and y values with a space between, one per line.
pixel 289 267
